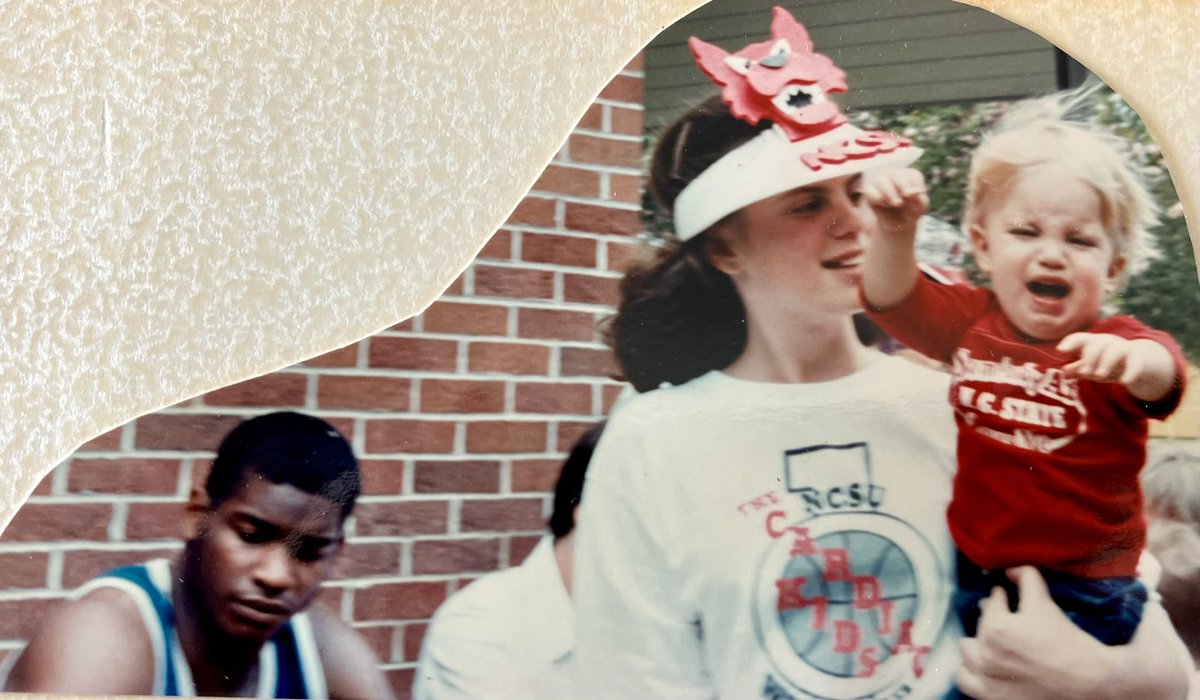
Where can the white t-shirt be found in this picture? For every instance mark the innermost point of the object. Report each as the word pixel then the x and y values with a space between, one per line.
pixel 507 635
pixel 748 540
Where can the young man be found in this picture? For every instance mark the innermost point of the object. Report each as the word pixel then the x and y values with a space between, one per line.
pixel 511 633
pixel 231 616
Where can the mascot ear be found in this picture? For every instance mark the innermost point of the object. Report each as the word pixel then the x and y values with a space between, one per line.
pixel 712 61
pixel 784 26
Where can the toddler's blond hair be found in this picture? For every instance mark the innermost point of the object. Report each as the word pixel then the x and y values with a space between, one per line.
pixel 1039 132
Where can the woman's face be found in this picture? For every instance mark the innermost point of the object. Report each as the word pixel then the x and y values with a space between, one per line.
pixel 800 251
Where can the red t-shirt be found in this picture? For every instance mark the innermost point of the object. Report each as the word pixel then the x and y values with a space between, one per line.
pixel 1047 464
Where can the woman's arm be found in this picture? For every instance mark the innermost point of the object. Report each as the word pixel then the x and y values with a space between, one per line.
pixel 1037 652
pixel 636 638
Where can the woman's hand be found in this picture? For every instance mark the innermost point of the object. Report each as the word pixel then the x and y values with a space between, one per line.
pixel 1037 652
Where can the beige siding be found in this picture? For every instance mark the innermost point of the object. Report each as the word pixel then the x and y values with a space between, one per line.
pixel 896 52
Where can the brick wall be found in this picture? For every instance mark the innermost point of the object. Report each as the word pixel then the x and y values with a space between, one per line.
pixel 460 416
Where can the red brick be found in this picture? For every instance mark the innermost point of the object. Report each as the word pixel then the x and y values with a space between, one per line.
pixel 558 250
pixel 591 289
pixel 538 475
pixel 498 247
pixel 413 353
pixel 20 618
pixel 23 570
pixel 502 515
pixel 623 88
pixel 467 319
pixel 414 636
pixel 54 522
pixel 508 358
pixel 584 148
pixel 461 396
pixel 105 442
pixel 398 601
pixel 637 65
pixel 279 389
pixel 595 218
pixel 342 357
pixel 379 638
pixel 361 559
pixel 455 556
pixel 625 121
pixel 124 475
pixel 506 436
pixel 459 476
pixel 620 255
pixel 345 426
pixel 363 393
pixel 154 521
pixel 625 188
pixel 405 325
pixel 401 681
pixel 587 362
pixel 569 433
pixel 200 469
pixel 455 289
pixel 533 211
pixel 553 397
pixel 45 487
pixel 182 432
pixel 519 548
pixel 382 477
pixel 610 394
pixel 387 436
pixel 513 282
pixel 82 566
pixel 556 324
pixel 593 118
pixel 400 519
pixel 562 179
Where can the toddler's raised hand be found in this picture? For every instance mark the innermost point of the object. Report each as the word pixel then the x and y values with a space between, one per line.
pixel 898 196
pixel 1142 366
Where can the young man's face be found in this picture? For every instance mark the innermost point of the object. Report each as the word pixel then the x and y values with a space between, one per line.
pixel 261 555
pixel 1050 256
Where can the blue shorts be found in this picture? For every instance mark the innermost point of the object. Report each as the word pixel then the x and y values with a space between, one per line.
pixel 1109 609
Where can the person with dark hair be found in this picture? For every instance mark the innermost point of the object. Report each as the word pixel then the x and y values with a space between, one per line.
pixel 232 616
pixel 767 520
pixel 510 634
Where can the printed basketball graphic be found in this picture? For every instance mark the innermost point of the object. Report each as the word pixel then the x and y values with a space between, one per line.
pixel 849 604
pixel 857 616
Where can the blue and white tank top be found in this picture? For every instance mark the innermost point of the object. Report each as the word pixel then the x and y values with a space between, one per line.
pixel 288 664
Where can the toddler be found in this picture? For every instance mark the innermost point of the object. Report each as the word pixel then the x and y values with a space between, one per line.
pixel 1051 396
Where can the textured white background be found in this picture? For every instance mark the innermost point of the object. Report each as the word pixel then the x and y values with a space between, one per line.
pixel 193 194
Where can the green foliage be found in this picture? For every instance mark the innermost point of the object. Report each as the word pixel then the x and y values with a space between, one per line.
pixel 1166 296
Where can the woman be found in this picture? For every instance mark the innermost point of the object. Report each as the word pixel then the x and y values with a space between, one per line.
pixel 773 525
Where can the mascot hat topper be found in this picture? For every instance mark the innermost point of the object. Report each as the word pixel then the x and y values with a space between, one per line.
pixel 784 81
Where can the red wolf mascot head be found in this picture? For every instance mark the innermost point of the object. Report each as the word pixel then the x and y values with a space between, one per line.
pixel 782 79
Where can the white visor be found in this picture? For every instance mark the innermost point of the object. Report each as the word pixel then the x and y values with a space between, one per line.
pixel 770 164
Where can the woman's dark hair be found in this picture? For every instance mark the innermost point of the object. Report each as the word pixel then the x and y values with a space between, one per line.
pixel 286 448
pixel 569 488
pixel 679 317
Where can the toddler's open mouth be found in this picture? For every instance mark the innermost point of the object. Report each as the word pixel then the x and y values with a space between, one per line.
pixel 1052 290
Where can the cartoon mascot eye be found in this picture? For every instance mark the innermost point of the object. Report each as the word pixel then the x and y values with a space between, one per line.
pixel 740 64
pixel 779 55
